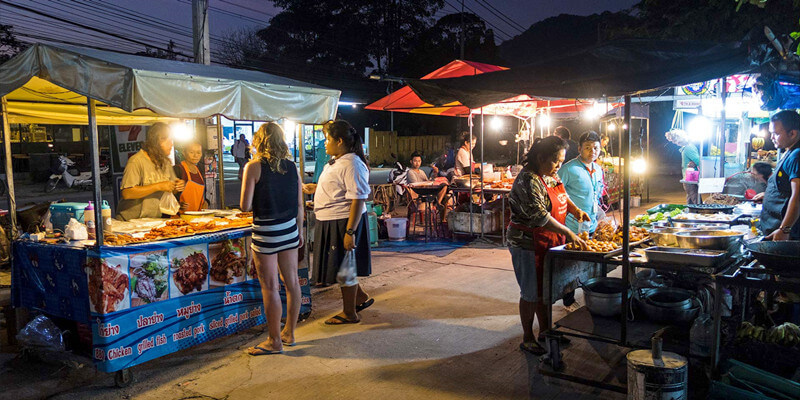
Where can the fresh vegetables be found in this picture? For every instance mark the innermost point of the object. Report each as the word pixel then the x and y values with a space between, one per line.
pixel 646 219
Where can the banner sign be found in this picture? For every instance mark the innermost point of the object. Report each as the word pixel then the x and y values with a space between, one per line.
pixel 125 142
pixel 145 301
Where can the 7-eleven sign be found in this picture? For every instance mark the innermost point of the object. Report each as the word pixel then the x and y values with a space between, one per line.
pixel 128 140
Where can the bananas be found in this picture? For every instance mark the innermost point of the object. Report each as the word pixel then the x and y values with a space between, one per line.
pixel 757 143
pixel 787 334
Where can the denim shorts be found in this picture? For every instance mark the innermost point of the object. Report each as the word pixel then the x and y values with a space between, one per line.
pixel 525 270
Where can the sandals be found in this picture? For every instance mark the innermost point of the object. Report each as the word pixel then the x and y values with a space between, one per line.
pixel 370 301
pixel 533 348
pixel 262 351
pixel 340 320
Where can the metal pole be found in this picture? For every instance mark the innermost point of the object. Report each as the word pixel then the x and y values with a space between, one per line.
pixel 626 216
pixel 220 165
pixel 94 144
pixel 12 200
pixel 470 174
pixel 723 120
pixel 648 151
pixel 483 198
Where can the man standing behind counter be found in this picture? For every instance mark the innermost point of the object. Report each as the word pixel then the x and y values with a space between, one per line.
pixel 583 180
pixel 779 216
pixel 148 174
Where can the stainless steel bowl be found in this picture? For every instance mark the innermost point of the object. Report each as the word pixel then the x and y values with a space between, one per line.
pixel 603 295
pixel 666 236
pixel 710 240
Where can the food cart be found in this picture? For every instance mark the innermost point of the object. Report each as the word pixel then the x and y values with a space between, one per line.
pixel 174 284
pixel 598 73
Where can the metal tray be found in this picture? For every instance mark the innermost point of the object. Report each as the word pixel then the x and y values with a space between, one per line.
pixel 674 255
pixel 732 221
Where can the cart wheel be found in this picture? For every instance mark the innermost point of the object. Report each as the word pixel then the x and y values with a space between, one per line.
pixel 123 378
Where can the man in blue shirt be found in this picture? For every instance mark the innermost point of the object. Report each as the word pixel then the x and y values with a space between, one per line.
pixel 583 180
pixel 690 158
pixel 781 210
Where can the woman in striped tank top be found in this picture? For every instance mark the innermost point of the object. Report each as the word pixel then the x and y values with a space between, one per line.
pixel 271 188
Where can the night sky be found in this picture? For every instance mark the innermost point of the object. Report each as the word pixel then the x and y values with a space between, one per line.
pixel 157 21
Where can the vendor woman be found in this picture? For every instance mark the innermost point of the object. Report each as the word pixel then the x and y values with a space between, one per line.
pixel 779 215
pixel 539 207
pixel 148 175
pixel 192 197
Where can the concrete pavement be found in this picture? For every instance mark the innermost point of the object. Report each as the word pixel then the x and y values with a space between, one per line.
pixel 441 327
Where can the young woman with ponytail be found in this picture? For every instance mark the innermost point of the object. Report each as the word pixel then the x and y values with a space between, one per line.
pixel 341 226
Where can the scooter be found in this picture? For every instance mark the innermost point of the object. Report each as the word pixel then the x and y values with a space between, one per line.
pixel 61 171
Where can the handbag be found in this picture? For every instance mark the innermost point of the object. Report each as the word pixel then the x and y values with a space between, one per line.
pixel 347 270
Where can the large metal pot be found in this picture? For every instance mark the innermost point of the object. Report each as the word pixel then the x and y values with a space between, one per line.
pixel 710 240
pixel 669 297
pixel 699 225
pixel 682 314
pixel 666 236
pixel 603 295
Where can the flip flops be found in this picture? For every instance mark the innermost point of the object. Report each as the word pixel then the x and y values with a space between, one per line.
pixel 340 320
pixel 263 351
pixel 290 344
pixel 533 348
pixel 365 304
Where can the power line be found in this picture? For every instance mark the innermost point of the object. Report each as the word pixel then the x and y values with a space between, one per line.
pixel 248 8
pixel 140 32
pixel 92 28
pixel 498 30
pixel 499 14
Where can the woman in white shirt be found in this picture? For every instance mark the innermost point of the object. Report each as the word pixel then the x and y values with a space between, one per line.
pixel 339 198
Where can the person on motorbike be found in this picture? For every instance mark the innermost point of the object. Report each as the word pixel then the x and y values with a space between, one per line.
pixel 148 175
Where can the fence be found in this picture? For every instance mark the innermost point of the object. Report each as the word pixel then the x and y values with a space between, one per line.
pixel 386 147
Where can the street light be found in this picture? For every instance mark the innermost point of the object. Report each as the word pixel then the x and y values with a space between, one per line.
pixel 496 123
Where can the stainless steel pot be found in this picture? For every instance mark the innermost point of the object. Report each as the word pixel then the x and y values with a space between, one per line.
pixel 603 295
pixel 710 240
pixel 666 236
pixel 669 297
pixel 671 315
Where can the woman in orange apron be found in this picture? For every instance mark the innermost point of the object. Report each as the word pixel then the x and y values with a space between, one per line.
pixel 539 207
pixel 192 198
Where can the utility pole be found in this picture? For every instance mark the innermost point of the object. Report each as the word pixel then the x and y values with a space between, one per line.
pixel 202 54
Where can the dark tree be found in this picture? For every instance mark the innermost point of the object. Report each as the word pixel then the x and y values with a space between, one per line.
pixel 440 44
pixel 169 54
pixel 345 36
pixel 9 45
pixel 714 20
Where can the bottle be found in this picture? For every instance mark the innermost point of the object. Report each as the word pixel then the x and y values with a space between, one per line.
pixel 106 214
pixel 88 219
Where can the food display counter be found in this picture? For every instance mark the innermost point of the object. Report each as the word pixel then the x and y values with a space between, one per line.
pixel 143 300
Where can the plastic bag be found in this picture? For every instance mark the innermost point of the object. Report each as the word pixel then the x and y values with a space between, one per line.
pixel 76 230
pixel 41 333
pixel 169 204
pixel 347 271
pixel 700 335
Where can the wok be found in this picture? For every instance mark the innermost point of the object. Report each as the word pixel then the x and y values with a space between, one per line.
pixel 782 255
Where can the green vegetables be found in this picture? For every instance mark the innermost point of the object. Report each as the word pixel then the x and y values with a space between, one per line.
pixel 646 219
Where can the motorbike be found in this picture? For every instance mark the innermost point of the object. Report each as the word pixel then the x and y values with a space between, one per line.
pixel 61 171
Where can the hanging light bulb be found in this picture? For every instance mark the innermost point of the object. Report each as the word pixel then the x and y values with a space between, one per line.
pixel 612 126
pixel 496 123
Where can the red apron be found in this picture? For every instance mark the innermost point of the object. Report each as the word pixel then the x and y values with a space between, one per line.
pixel 544 239
pixel 193 192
